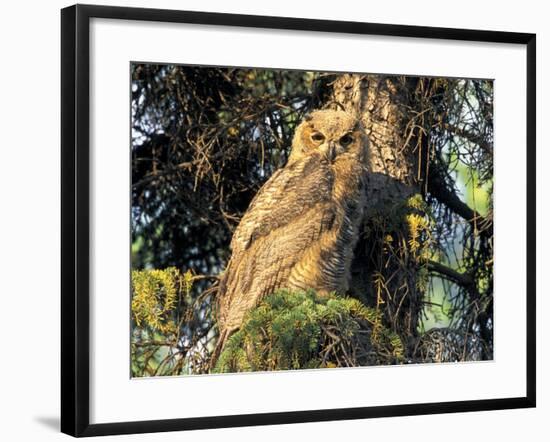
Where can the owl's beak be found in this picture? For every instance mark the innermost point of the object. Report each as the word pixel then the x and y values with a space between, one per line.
pixel 330 151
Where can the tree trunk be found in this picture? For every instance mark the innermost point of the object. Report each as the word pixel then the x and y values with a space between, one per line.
pixel 385 270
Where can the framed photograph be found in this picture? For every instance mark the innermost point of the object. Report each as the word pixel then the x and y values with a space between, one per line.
pixel 273 220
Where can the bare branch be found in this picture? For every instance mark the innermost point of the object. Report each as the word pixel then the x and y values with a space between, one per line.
pixel 464 279
pixel 440 190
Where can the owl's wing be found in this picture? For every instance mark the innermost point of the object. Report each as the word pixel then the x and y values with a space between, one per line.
pixel 287 215
pixel 265 266
pixel 289 192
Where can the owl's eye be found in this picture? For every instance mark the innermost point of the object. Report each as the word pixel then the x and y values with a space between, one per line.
pixel 317 137
pixel 346 139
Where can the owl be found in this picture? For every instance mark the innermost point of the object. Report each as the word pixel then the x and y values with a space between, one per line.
pixel 300 229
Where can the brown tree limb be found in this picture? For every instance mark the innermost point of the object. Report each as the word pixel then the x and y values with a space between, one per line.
pixel 464 279
pixel 440 190
pixel 201 277
pixel 469 136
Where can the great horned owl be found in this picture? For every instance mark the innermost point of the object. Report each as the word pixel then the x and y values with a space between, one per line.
pixel 301 227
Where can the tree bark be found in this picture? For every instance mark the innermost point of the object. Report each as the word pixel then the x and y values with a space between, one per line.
pixel 382 278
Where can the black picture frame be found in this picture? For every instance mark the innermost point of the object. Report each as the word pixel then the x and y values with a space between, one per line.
pixel 75 212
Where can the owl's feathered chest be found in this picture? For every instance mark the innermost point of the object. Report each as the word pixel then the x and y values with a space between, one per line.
pixel 334 192
pixel 345 190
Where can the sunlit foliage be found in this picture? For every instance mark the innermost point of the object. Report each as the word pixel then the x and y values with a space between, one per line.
pixel 296 330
